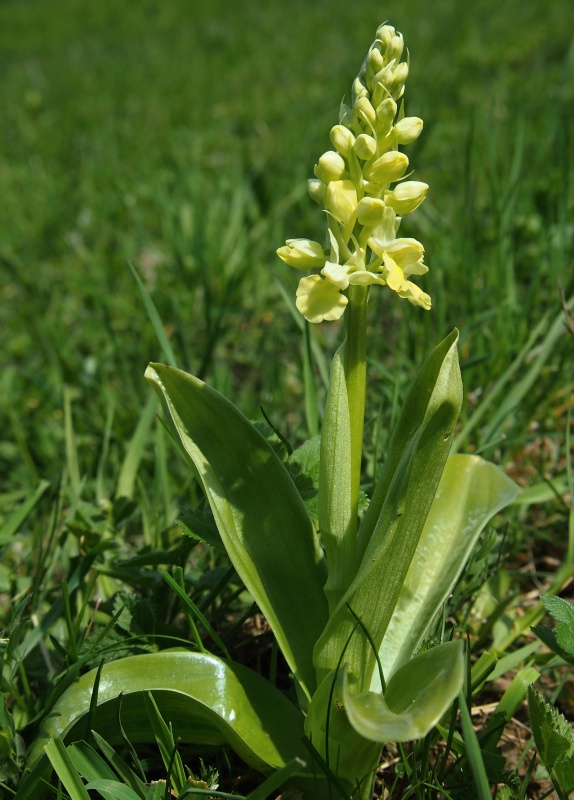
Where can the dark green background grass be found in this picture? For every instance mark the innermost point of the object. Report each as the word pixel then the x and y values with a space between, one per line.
pixel 178 136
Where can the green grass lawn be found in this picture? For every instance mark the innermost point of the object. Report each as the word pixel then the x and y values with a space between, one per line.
pixel 178 137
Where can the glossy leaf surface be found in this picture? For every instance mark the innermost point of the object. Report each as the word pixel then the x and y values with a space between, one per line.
pixel 393 523
pixel 417 696
pixel 263 522
pixel 207 701
pixel 347 753
pixel 470 492
pixel 335 501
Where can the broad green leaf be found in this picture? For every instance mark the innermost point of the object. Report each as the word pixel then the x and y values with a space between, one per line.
pixel 207 701
pixel 262 520
pixel 394 520
pixel 554 742
pixel 336 521
pixel 416 698
pixel 303 466
pixel 344 750
pixel 470 492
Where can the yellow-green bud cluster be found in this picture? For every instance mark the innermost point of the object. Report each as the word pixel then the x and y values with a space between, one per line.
pixel 353 184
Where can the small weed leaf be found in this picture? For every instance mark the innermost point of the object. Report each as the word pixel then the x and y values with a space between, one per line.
pixel 554 741
pixel 563 612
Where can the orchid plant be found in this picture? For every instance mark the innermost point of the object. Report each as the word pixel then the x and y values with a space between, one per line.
pixel 349 593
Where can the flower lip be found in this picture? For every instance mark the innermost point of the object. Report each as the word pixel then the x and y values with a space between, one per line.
pixel 319 300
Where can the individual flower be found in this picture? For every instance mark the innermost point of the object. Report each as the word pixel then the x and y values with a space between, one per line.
pixel 408 129
pixel 302 254
pixel 330 167
pixel 406 197
pixel 365 146
pixel 341 202
pixel 388 168
pixel 342 139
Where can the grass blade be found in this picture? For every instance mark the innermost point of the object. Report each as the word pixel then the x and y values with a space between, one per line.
pixel 473 752
pixel 64 768
pixel 155 319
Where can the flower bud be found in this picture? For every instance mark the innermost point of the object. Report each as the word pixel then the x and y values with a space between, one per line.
pixel 330 167
pixel 358 90
pixel 406 196
pixel 370 211
pixel 315 189
pixel 381 84
pixel 388 168
pixel 385 33
pixel 373 63
pixel 400 74
pixel 365 146
pixel 342 139
pixel 302 254
pixel 341 202
pixel 386 112
pixel 395 47
pixel 409 129
pixel 375 59
pixel 364 111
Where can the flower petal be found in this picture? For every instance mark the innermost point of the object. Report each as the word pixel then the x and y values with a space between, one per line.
pixel 408 254
pixel 363 277
pixel 415 295
pixel 319 300
pixel 394 275
pixel 384 233
pixel 336 274
pixel 407 196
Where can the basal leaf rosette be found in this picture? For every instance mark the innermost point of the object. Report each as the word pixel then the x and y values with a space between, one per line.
pixel 362 188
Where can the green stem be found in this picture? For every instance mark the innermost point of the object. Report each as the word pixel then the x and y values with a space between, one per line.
pixel 355 364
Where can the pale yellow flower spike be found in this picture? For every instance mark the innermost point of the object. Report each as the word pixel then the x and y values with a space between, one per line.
pixel 360 185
